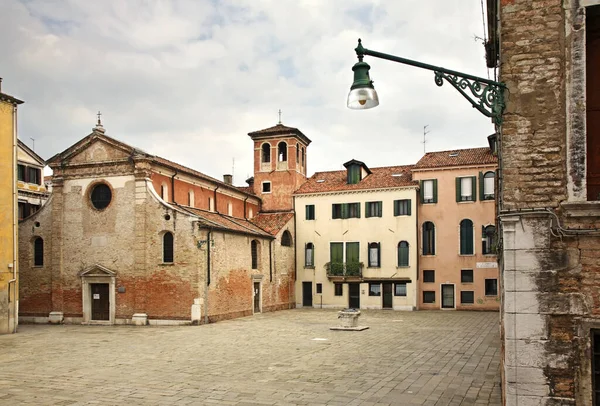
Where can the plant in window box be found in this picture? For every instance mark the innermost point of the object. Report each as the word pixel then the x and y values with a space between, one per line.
pixel 335 268
pixel 353 268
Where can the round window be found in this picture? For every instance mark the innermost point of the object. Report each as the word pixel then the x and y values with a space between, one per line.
pixel 101 196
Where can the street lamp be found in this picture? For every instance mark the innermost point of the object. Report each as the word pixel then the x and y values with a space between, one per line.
pixel 486 95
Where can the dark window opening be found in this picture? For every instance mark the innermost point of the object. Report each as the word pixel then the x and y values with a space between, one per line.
pixel 266 187
pixel 467 297
pixel 429 276
pixel 254 253
pixel 168 247
pixel 592 80
pixel 402 207
pixel 488 241
pixel 38 252
pixel 21 172
pixel 466 237
pixel 353 174
pixel 282 151
pixel 403 253
pixel 286 239
pixel 310 211
pixel 319 288
pixel 373 209
pixel 466 276
pixel 101 196
pixel 345 210
pixel 374 289
pixel 596 365
pixel 265 153
pixel 429 296
pixel 428 238
pixel 491 287
pixel 339 289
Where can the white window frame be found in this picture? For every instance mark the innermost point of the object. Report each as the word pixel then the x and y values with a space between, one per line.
pixel 262 187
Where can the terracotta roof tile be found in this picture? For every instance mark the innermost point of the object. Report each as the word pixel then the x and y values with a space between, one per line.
pixel 380 178
pixel 246 189
pixel 221 221
pixel 278 130
pixel 457 157
pixel 272 222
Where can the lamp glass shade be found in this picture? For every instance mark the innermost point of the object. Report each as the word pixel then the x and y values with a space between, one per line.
pixel 362 98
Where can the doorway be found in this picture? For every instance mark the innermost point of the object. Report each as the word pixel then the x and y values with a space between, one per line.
pixel 307 294
pixel 354 295
pixel 448 296
pixel 387 296
pixel 100 301
pixel 256 297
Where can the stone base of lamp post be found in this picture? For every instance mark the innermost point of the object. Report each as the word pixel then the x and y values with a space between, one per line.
pixel 349 321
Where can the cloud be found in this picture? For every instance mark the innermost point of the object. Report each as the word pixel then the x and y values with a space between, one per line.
pixel 188 80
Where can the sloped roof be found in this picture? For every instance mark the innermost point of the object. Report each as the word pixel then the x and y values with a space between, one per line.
pixel 31 152
pixel 380 178
pixel 226 223
pixel 457 157
pixel 12 100
pixel 272 222
pixel 247 189
pixel 279 130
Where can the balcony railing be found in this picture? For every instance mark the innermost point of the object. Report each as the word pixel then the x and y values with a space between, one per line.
pixel 344 269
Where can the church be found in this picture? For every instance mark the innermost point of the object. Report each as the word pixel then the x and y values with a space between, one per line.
pixel 128 237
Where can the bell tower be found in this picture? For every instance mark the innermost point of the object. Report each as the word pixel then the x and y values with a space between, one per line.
pixel 279 165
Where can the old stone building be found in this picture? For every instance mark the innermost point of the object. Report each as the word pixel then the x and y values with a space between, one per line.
pixel 549 198
pixel 30 181
pixel 129 237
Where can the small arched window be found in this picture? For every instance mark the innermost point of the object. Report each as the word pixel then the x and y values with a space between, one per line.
pixel 168 247
pixel 488 185
pixel 489 240
pixel 428 238
pixel 309 255
pixel 254 253
pixel 374 254
pixel 265 153
pixel 466 237
pixel 286 239
pixel 191 198
pixel 38 252
pixel 282 151
pixel 403 253
pixel 164 192
pixel 297 154
pixel 303 157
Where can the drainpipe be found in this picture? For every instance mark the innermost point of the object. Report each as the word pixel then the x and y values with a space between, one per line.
pixel 270 261
pixel 293 282
pixel 417 245
pixel 215 199
pixel 173 187
pixel 207 275
pixel 13 281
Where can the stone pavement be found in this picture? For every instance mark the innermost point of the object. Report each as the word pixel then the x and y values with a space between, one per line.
pixel 283 358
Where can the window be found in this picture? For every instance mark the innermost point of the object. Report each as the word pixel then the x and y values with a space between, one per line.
pixel 466 276
pixel 282 151
pixel 211 204
pixel 34 175
pixel 595 335
pixel 466 189
pixel 353 174
pixel 488 240
pixel 229 209
pixel 429 191
pixel 339 289
pixel 491 287
pixel 310 211
pixel 319 288
pixel 402 207
pixel 467 297
pixel 303 157
pixel 403 253
pixel 164 192
pixel 286 239
pixel 168 247
pixel 254 253
pixel 297 154
pixel 21 172
pixel 350 251
pixel 428 238
pixel 345 210
pixel 266 187
pixel 429 276
pixel 429 296
pixel 486 185
pixel 250 213
pixel 38 252
pixel 466 237
pixel 374 289
pixel 592 84
pixel 309 255
pixel 191 198
pixel 101 196
pixel 400 289
pixel 265 153
pixel 374 254
pixel 373 209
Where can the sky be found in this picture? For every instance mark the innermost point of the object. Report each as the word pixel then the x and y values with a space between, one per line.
pixel 188 80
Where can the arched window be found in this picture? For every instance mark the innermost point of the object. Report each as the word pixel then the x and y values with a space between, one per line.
pixel 489 240
pixel 374 254
pixel 168 247
pixel 297 154
pixel 309 255
pixel 254 253
pixel 428 238
pixel 403 253
pixel 38 252
pixel 286 239
pixel 191 198
pixel 164 192
pixel 266 152
pixel 282 151
pixel 466 237
pixel 488 185
pixel 303 157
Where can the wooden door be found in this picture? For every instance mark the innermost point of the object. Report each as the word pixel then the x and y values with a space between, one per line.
pixel 256 297
pixel 100 301
pixel 354 295
pixel 447 296
pixel 387 296
pixel 592 70
pixel 307 294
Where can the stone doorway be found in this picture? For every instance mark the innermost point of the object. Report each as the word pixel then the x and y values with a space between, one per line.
pixel 98 291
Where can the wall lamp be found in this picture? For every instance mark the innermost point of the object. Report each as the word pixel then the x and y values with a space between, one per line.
pixel 486 95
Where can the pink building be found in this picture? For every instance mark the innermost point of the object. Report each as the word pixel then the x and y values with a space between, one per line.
pixel 457 234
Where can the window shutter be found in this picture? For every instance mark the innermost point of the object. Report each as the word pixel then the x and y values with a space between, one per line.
pixel 457 181
pixel 422 191
pixel 379 209
pixel 463 247
pixel 396 209
pixel 408 203
pixel 474 189
pixel 379 254
pixel 435 194
pixel 481 183
pixel 344 210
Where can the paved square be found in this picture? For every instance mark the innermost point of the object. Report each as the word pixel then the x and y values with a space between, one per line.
pixel 283 358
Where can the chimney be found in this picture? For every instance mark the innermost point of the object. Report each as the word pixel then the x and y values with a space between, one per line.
pixel 250 181
pixel 0 85
pixel 228 179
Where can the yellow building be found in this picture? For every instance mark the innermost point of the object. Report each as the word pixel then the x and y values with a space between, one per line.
pixel 8 213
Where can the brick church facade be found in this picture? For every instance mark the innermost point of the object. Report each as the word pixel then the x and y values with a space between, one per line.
pixel 132 238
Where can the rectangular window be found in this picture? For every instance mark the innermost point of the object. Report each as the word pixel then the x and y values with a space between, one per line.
pixel 402 207
pixel 429 296
pixel 21 172
pixel 374 254
pixel 429 191
pixel 319 288
pixel 400 289
pixel 595 336
pixel 266 187
pixel 338 288
pixel 33 175
pixel 428 276
pixel 592 84
pixel 373 209
pixel 486 185
pixel 345 210
pixel 491 287
pixel 466 189
pixel 336 211
pixel 353 210
pixel 374 289
pixel 466 276
pixel 309 255
pixel 310 211
pixel 467 297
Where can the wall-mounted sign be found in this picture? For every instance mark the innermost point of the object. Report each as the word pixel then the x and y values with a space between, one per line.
pixel 96 295
pixel 487 265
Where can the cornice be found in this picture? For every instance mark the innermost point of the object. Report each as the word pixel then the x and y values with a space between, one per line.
pixel 356 191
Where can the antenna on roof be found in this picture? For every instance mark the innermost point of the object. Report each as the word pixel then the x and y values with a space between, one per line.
pixel 424 134
pixel 33 144
pixel 279 116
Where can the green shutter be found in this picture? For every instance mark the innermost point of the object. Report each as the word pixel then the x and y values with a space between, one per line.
pixel 379 254
pixel 352 252
pixel 409 202
pixel 457 181
pixel 481 181
pixel 379 209
pixel 333 211
pixel 344 210
pixel 435 191
pixel 396 208
pixel 474 187
pixel 422 191
pixel 336 252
